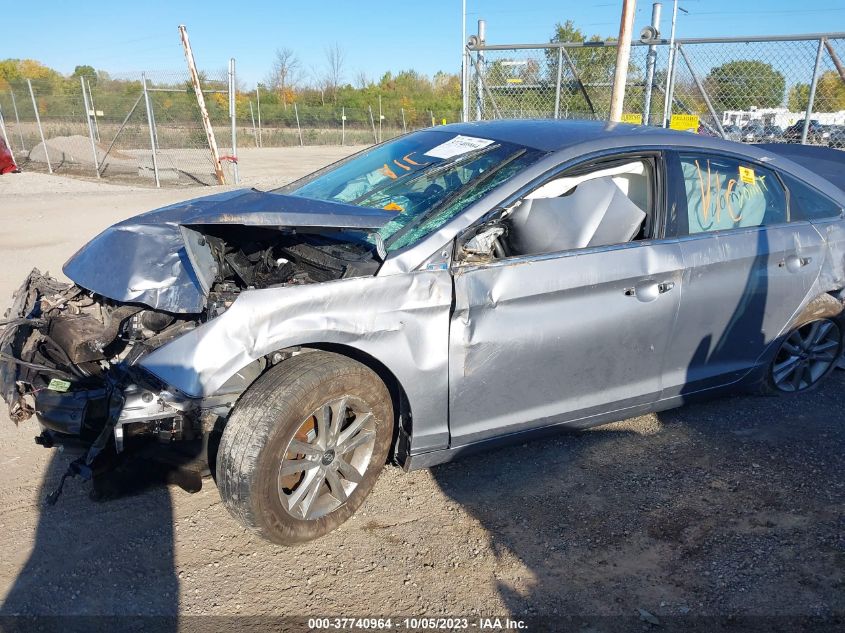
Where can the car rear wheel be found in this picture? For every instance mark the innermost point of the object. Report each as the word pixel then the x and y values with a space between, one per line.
pixel 304 446
pixel 810 351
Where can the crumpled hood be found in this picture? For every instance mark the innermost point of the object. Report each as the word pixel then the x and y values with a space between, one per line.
pixel 145 260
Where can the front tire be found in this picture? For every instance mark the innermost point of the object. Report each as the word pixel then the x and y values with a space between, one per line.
pixel 304 447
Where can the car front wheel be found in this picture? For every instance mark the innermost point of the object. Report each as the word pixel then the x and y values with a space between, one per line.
pixel 304 446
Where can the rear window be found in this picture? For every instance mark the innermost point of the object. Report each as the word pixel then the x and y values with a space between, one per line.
pixel 805 203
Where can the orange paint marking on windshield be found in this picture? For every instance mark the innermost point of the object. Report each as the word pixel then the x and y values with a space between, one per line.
pixel 387 171
pixel 398 164
pixel 408 160
pixel 392 206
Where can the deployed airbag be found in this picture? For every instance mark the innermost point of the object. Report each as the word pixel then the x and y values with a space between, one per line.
pixel 595 213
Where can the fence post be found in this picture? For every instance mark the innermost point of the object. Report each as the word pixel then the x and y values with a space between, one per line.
pixel 479 65
pixel 3 130
pixel 17 120
pixel 404 127
pixel 343 126
pixel 703 91
pixel 258 107
pixel 233 117
pixel 651 61
pixel 557 81
pixel 373 124
pixel 94 110
pixel 380 119
pixel 150 125
pixel 299 129
pixel 812 96
pixel 254 130
pixel 669 90
pixel 90 127
pixel 40 129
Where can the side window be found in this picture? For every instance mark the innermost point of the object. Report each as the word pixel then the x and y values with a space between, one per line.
pixel 805 203
pixel 724 193
pixel 603 205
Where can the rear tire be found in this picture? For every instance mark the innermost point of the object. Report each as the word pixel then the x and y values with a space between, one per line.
pixel 809 352
pixel 304 446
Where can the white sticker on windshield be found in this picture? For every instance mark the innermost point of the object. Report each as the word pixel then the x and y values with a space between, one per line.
pixel 457 146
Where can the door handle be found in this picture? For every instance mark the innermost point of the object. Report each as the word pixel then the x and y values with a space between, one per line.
pixel 649 290
pixel 793 263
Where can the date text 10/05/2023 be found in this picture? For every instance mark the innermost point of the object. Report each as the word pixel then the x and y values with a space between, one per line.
pixel 415 624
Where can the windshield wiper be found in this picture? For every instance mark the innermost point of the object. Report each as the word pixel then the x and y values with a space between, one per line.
pixel 424 217
pixel 433 170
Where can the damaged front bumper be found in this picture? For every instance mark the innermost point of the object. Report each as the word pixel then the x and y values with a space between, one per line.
pixel 57 363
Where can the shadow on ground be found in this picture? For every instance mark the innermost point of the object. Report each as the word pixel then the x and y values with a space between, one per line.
pixel 106 553
pixel 731 508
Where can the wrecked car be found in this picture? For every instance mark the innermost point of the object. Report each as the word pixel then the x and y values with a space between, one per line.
pixel 447 291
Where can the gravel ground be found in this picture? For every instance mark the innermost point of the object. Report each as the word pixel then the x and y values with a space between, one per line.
pixel 726 515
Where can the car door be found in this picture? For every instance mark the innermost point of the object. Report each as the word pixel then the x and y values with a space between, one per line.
pixel 557 337
pixel 747 269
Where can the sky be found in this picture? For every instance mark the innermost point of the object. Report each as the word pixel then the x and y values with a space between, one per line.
pixel 123 37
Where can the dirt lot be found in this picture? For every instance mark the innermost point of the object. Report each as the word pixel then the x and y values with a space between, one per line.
pixel 723 515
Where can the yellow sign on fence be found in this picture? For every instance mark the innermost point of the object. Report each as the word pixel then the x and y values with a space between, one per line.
pixel 684 122
pixel 631 117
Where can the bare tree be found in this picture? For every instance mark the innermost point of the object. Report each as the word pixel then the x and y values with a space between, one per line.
pixel 335 60
pixel 286 72
pixel 361 80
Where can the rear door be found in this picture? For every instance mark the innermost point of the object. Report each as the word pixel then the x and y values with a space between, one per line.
pixel 747 268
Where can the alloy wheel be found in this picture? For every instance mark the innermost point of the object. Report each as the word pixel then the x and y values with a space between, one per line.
pixel 807 355
pixel 326 458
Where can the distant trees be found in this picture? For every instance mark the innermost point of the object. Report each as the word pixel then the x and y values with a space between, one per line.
pixel 830 94
pixel 741 84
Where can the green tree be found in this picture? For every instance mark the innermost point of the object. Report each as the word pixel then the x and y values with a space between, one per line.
pixel 830 94
pixel 85 71
pixel 741 84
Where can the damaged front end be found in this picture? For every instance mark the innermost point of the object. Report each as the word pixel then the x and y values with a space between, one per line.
pixel 70 353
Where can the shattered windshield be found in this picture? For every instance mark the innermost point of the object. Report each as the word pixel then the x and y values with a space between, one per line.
pixel 426 178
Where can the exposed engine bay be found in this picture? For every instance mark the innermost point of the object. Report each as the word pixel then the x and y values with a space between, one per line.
pixel 69 355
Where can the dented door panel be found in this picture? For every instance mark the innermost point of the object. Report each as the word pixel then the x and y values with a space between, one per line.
pixel 542 340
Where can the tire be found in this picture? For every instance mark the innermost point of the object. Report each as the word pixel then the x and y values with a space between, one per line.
pixel 823 319
pixel 277 445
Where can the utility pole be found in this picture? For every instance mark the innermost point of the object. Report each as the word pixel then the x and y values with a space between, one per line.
pixel 623 56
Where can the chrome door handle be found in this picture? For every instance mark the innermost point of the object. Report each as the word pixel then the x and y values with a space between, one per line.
pixel 649 290
pixel 793 263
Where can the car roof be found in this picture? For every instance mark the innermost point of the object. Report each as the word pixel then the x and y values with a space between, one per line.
pixel 550 135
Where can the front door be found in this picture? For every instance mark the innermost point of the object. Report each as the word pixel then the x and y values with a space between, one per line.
pixel 540 340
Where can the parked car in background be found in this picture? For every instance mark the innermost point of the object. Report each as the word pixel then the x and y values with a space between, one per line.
pixel 732 132
pixel 772 134
pixel 753 132
pixel 815 132
pixel 441 293
pixel 837 137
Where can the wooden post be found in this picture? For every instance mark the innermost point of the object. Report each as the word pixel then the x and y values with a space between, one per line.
pixel 623 57
pixel 206 122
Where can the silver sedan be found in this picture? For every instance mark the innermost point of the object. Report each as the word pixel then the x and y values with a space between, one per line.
pixel 444 292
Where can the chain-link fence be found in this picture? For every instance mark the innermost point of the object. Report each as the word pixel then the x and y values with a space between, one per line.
pixel 147 128
pixel 751 89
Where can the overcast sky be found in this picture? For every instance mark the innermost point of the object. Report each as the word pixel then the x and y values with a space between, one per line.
pixel 376 36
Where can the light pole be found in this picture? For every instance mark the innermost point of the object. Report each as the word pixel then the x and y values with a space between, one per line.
pixel 670 71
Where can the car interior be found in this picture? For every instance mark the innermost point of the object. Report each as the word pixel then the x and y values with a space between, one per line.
pixel 607 205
